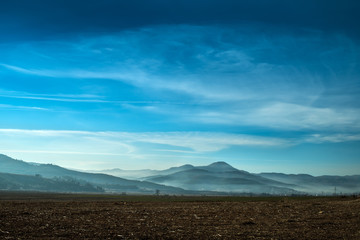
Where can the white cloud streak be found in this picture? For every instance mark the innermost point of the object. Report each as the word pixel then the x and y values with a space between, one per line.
pixel 332 138
pixel 126 142
pixel 71 98
pixel 14 107
pixel 294 116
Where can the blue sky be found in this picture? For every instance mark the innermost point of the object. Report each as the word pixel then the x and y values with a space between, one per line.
pixel 267 86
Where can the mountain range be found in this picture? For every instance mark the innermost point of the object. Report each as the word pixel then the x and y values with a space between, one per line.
pixel 218 178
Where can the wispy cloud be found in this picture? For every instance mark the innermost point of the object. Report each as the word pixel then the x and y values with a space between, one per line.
pixel 188 142
pixel 65 142
pixel 14 107
pixel 204 141
pixel 272 115
pixel 44 73
pixel 61 152
pixel 118 141
pixel 232 66
pixel 294 116
pixel 332 138
pixel 236 75
pixel 73 98
pixel 52 97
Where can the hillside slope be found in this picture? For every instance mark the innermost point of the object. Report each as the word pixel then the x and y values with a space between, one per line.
pixel 109 183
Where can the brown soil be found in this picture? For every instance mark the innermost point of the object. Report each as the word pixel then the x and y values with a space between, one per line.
pixel 130 218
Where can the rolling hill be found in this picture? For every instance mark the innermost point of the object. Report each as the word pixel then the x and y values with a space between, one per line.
pixel 10 181
pixel 107 182
pixel 142 173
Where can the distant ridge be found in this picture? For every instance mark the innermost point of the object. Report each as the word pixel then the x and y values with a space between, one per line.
pixel 220 176
pixel 321 184
pixel 224 177
pixel 216 178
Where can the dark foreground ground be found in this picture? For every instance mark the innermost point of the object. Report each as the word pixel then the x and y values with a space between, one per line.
pixel 55 216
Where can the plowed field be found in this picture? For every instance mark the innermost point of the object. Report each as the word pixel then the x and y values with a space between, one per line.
pixel 89 217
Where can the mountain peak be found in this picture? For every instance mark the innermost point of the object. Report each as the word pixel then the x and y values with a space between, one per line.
pixel 220 163
pixel 220 167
